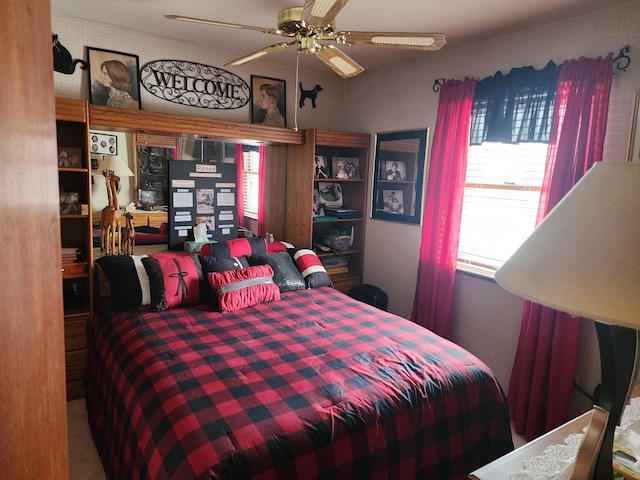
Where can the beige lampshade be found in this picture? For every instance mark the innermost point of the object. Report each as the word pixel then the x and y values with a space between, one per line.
pixel 114 163
pixel 584 257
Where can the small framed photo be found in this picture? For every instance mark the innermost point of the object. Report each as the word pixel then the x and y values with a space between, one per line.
pixel 114 78
pixel 318 209
pixel 330 194
pixel 103 144
pixel 394 170
pixel 69 204
pixel 345 167
pixel 321 169
pixel 393 202
pixel 70 157
pixel 268 101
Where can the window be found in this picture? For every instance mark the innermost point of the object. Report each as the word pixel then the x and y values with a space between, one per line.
pixel 251 188
pixel 501 194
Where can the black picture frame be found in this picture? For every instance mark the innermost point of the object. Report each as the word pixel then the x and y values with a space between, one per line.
pixel 271 87
pixel 121 91
pixel 398 198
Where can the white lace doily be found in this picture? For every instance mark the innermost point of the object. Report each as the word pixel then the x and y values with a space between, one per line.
pixel 556 463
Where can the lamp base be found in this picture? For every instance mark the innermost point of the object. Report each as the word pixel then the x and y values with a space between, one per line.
pixel 618 368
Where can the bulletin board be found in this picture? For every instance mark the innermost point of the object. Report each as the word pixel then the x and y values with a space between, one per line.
pixel 202 192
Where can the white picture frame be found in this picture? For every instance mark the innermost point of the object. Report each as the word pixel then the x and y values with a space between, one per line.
pixel 633 154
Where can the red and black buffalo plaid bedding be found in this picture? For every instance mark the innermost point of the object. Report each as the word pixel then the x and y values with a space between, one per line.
pixel 316 385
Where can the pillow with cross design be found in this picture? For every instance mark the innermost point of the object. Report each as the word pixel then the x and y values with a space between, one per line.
pixel 175 279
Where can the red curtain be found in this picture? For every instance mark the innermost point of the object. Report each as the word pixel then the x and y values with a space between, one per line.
pixel 545 363
pixel 261 178
pixel 433 301
pixel 239 159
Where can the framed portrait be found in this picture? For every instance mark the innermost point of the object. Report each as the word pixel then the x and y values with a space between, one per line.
pixel 634 138
pixel 268 101
pixel 114 78
pixel 69 204
pixel 400 171
pixel 393 201
pixel 103 144
pixel 321 169
pixel 394 170
pixel 70 157
pixel 345 167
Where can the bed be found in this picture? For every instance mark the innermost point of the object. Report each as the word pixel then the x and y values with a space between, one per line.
pixel 312 384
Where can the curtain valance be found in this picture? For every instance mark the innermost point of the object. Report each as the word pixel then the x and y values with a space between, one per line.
pixel 516 107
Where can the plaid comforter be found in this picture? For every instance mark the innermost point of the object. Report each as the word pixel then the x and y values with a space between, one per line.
pixel 316 385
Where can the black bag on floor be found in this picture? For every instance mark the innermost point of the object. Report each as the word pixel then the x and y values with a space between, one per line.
pixel 370 294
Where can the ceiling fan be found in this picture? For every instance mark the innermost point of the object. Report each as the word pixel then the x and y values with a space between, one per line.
pixel 313 23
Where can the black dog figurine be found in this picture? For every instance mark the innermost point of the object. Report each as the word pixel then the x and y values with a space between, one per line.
pixel 312 94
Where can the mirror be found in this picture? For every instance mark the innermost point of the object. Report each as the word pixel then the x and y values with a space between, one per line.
pixel 399 176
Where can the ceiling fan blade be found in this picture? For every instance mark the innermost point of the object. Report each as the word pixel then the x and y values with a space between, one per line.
pixel 204 21
pixel 340 63
pixel 415 41
pixel 260 53
pixel 320 13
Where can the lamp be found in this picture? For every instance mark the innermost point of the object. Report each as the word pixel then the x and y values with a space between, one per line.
pixel 114 164
pixel 584 259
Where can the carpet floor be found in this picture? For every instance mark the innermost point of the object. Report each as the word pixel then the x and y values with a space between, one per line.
pixel 84 463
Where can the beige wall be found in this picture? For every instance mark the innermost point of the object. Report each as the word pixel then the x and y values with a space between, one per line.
pixel 487 319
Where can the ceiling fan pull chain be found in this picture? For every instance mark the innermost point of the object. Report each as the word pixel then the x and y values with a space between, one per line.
pixel 295 108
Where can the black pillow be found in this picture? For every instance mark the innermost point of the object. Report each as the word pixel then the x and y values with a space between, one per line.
pixel 128 281
pixel 214 264
pixel 285 273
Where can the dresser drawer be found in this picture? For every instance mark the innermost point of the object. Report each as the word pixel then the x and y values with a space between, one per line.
pixel 76 363
pixel 75 334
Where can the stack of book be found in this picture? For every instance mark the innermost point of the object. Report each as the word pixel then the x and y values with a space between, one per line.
pixel 69 254
pixel 335 264
pixel 342 212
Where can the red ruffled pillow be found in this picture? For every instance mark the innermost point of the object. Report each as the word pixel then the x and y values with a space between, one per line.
pixel 244 287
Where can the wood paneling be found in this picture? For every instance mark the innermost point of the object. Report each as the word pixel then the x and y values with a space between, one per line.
pixel 33 443
pixel 132 121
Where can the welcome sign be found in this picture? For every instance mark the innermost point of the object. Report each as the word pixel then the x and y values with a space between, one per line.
pixel 194 84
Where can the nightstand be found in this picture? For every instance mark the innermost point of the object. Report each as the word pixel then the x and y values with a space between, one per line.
pixel 504 466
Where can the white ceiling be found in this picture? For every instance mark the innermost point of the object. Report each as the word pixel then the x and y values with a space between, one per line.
pixel 462 21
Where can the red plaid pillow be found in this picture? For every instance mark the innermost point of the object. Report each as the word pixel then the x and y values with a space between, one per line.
pixel 244 287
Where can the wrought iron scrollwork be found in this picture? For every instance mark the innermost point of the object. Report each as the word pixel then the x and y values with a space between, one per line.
pixel 622 61
pixel 438 83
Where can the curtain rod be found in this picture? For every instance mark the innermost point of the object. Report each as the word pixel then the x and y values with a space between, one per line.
pixel 621 62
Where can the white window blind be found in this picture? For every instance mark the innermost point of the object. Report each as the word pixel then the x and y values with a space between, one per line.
pixel 501 195
pixel 251 190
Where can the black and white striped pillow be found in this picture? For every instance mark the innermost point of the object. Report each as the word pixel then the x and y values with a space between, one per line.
pixel 128 281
